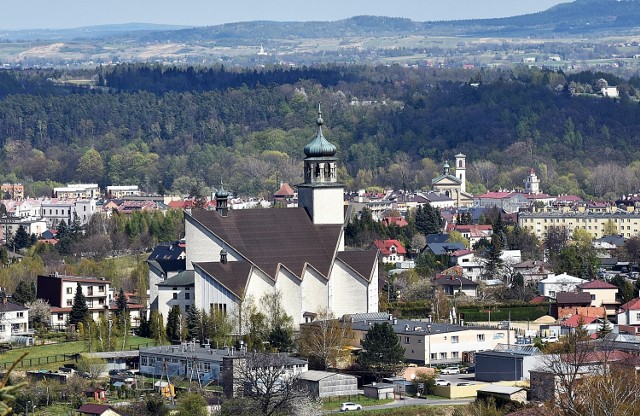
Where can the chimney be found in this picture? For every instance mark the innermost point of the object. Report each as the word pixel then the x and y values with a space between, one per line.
pixel 223 256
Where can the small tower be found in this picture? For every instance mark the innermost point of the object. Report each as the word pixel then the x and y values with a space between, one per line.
pixel 222 197
pixel 446 168
pixel 461 171
pixel 320 194
pixel 532 183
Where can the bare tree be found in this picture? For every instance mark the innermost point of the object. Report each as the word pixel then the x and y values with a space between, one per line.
pixel 324 339
pixel 270 382
pixel 483 171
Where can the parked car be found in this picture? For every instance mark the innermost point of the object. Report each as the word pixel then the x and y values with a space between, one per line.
pixel 552 338
pixel 469 370
pixel 463 383
pixel 442 382
pixel 450 370
pixel 345 407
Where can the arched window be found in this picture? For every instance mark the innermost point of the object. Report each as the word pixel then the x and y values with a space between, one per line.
pixel 460 163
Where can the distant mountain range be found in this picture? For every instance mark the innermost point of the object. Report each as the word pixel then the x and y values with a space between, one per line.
pixel 578 18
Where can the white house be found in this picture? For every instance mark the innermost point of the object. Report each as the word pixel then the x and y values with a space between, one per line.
pixel 59 291
pixel 553 285
pixel 472 266
pixel 14 320
pixel 176 290
pixel 629 316
pixel 242 255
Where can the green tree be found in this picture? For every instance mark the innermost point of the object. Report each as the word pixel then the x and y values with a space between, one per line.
pixel 121 306
pixel 157 330
pixel 174 323
pixel 382 353
pixel 195 324
pixel 79 309
pixel 192 404
pixel 21 239
pixel 4 256
pixel 25 292
pixel 494 264
pixel 90 167
pixel 604 328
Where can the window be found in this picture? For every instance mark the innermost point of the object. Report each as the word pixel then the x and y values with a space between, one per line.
pixel 20 314
pixel 2 328
pixel 152 360
pixel 69 290
pixel 593 297
pixel 187 296
pixel 101 301
pixel 443 355
pixel 406 340
pixel 69 302
pixel 638 316
pixel 455 354
pixel 480 337
pixel 454 339
pixel 207 367
pixel 219 307
pixel 419 340
pixel 60 317
pixel 175 296
pixel 143 360
pixel 100 288
pixel 552 293
pixel 434 356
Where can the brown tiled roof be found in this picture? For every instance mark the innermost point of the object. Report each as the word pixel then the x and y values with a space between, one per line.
pixel 597 284
pixel 95 409
pixel 360 261
pixel 571 297
pixel 284 191
pixel 272 237
pixel 11 307
pixel 232 275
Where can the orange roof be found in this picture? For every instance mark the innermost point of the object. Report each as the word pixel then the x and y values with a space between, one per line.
pixel 399 221
pixel 574 321
pixel 284 191
pixel 597 284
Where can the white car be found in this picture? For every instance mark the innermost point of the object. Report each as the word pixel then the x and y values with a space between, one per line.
pixel 549 339
pixel 450 370
pixel 442 382
pixel 345 407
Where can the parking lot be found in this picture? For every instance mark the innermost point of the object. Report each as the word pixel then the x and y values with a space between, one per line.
pixel 458 378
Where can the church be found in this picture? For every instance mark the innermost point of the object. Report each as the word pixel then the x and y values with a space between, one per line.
pixel 238 256
pixel 454 186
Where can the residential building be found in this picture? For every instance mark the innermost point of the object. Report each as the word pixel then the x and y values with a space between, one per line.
pixel 13 190
pixel 453 285
pixel 569 304
pixel 77 191
pixel 590 324
pixel 9 226
pixel 507 201
pixel 474 232
pixel 629 317
pixel 122 191
pixel 285 195
pixel 295 252
pixel 626 223
pixel 602 294
pixel 14 320
pixel 54 211
pixel 433 343
pixel 533 271
pixel 59 291
pixel 471 266
pixel 553 285
pixel 391 251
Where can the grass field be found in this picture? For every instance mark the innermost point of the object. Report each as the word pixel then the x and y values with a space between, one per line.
pixel 36 358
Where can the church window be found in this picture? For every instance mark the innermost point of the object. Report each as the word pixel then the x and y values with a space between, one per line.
pixel 317 172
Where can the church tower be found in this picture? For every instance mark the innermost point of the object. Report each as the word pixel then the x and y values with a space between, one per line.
pixel 321 195
pixel 532 183
pixel 461 171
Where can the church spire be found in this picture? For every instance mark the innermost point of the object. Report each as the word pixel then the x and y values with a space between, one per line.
pixel 319 146
pixel 222 197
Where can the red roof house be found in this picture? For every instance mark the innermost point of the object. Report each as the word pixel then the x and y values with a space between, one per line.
pixel 391 251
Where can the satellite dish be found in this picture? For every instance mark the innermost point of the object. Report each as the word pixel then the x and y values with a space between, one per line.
pixel 413 376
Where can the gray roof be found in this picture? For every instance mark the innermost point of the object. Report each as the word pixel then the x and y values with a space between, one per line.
pixel 313 375
pixel 114 354
pixel 373 316
pixel 381 386
pixel 406 327
pixel 202 353
pixel 11 307
pixel 495 388
pixel 186 278
pixel 444 248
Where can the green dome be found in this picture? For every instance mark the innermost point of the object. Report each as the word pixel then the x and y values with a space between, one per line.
pixel 222 193
pixel 320 147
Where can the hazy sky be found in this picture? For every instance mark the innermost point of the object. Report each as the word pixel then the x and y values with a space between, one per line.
pixel 55 14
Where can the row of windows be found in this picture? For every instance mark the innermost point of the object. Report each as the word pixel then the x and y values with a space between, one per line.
pixel 454 339
pixel 18 314
pixel 201 366
pixel 88 289
pixel 444 355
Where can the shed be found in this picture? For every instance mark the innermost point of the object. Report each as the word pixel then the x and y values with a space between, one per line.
pixel 326 384
pixel 506 363
pixel 379 391
pixel 503 394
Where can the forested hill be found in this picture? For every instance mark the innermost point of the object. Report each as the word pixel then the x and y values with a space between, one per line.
pixel 579 18
pixel 393 126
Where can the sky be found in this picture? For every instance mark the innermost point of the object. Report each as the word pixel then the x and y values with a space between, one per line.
pixel 58 14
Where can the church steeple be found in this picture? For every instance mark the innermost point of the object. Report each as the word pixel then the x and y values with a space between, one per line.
pixel 222 199
pixel 320 194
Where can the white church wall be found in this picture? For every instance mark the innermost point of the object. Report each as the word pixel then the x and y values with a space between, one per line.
pixel 349 293
pixel 315 292
pixel 203 246
pixel 209 292
pixel 289 286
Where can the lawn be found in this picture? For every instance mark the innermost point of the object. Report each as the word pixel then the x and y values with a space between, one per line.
pixel 36 358
pixel 426 410
pixel 334 403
